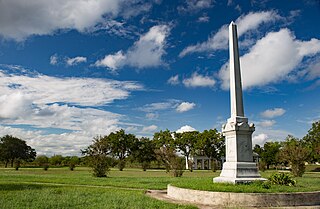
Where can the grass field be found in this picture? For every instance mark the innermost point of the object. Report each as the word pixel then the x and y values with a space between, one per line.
pixel 61 188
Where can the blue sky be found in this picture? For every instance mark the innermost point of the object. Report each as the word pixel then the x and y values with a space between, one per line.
pixel 74 69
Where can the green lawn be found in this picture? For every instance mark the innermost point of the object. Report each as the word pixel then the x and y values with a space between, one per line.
pixel 61 188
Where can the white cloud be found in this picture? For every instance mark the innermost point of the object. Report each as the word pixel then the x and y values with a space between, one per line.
pixel 14 105
pixel 82 91
pixel 267 123
pixel 185 106
pixel 219 40
pixel 195 5
pixel 197 80
pixel 46 103
pixel 146 52
pixel 50 144
pixel 54 59
pixel 272 113
pixel 259 139
pixel 149 129
pixel 185 128
pixel 204 18
pixel 76 60
pixel 277 55
pixel 152 116
pixel 178 105
pixel 20 19
pixel 174 80
pixel 156 106
pixel 112 61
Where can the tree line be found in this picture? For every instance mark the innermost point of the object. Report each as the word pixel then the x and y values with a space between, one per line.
pixel 166 148
pixel 293 152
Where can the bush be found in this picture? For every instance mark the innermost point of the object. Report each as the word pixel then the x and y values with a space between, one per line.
pixel 262 166
pixel 177 166
pixel 282 179
pixel 17 165
pixel 298 168
pixel 100 165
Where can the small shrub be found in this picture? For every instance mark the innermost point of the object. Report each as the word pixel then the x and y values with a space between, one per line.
pixel 121 164
pixel 145 165
pixel 46 167
pixel 262 166
pixel 298 169
pixel 282 179
pixel 17 165
pixel 263 184
pixel 100 165
pixel 177 166
pixel 72 166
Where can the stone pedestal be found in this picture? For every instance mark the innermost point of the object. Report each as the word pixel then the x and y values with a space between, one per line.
pixel 239 166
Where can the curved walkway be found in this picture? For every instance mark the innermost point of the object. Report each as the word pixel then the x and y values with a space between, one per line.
pixel 162 195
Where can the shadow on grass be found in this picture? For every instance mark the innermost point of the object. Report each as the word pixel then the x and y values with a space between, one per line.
pixel 316 169
pixel 20 187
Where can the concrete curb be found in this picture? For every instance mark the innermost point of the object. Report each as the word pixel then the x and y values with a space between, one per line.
pixel 228 199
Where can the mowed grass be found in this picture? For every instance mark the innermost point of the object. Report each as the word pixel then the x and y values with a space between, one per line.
pixel 62 188
pixel 309 182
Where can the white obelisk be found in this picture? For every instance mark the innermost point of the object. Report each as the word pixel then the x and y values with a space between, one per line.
pixel 239 165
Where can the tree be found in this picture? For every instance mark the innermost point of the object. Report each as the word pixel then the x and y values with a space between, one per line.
pixel 42 161
pixel 186 143
pixel 121 146
pixel 212 144
pixel 296 153
pixel 165 147
pixel 56 160
pixel 166 152
pixel 97 154
pixel 269 153
pixel 312 140
pixel 13 148
pixel 144 152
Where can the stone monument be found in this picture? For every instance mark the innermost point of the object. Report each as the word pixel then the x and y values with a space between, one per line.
pixel 239 166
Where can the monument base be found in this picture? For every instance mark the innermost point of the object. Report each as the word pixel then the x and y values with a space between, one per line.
pixel 239 172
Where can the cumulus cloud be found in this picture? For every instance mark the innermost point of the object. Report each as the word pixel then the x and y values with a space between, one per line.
pixel 185 128
pixel 219 40
pixel 152 116
pixel 185 106
pixel 75 60
pixel 267 123
pixel 66 105
pixel 197 80
pixel 174 80
pixel 20 19
pixel 272 113
pixel 195 5
pixel 54 59
pixel 177 105
pixel 145 53
pixel 260 139
pixel 277 54
pixel 149 129
pixel 82 91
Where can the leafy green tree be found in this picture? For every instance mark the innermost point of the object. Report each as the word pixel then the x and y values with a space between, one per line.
pixel 296 153
pixel 121 146
pixel 186 143
pixel 56 160
pixel 212 144
pixel 312 140
pixel 143 151
pixel 165 147
pixel 42 161
pixel 270 152
pixel 13 148
pixel 97 155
